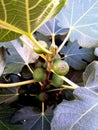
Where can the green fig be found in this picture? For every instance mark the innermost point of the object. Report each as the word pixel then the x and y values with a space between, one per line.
pixel 39 50
pixel 57 57
pixel 45 65
pixel 57 81
pixel 39 74
pixel 42 96
pixel 60 67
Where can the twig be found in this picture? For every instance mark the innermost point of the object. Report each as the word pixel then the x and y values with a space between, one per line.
pixel 10 85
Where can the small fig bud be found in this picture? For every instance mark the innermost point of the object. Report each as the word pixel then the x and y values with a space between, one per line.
pixel 39 74
pixel 45 65
pixel 57 81
pixel 57 57
pixel 37 49
pixel 60 67
pixel 42 96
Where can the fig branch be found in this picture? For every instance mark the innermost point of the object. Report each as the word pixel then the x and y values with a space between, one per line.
pixel 18 84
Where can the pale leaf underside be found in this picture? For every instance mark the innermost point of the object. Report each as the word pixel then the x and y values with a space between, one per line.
pixel 80 114
pixel 81 16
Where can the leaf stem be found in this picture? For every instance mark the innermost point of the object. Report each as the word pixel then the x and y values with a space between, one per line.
pixel 37 44
pixel 10 85
pixel 53 40
pixel 65 40
pixel 67 80
pixel 63 87
pixel 29 68
pixel 43 109
pixel 68 87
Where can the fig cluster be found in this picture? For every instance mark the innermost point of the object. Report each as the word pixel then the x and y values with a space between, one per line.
pixel 43 73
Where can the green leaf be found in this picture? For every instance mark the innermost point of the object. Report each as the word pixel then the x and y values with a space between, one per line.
pixel 25 16
pixel 79 114
pixel 81 17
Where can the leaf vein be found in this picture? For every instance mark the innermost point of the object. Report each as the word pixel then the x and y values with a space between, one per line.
pixel 83 115
pixel 5 11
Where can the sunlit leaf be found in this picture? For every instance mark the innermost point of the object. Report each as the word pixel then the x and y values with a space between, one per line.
pixel 25 16
pixel 76 56
pixel 51 28
pixel 79 114
pixel 82 18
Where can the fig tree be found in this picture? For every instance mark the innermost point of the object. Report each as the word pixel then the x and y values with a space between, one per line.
pixel 60 67
pixel 39 50
pixel 39 74
pixel 56 81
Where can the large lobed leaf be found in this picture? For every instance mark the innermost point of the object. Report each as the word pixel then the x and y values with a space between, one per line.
pixel 32 119
pixel 25 16
pixel 76 56
pixel 51 28
pixel 80 114
pixel 81 17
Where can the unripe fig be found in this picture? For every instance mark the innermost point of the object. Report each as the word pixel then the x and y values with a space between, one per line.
pixel 57 81
pixel 57 57
pixel 48 86
pixel 60 67
pixel 42 96
pixel 45 65
pixel 39 50
pixel 39 74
